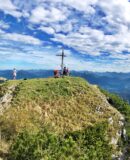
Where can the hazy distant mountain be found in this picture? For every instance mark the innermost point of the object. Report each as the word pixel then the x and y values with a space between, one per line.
pixel 114 82
pixel 21 74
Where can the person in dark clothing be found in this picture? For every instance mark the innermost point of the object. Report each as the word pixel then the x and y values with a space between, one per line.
pixel 65 71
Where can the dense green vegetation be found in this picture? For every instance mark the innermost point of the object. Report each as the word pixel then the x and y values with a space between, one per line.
pixel 90 143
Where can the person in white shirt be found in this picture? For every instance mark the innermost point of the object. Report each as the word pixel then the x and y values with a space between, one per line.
pixel 14 73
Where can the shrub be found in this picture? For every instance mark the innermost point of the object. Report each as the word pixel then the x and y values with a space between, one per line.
pixel 90 143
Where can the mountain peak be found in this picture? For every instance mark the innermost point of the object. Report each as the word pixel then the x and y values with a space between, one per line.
pixel 65 104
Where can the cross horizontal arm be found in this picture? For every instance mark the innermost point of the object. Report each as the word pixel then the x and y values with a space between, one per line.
pixel 62 55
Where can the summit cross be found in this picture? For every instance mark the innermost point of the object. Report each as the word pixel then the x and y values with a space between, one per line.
pixel 62 59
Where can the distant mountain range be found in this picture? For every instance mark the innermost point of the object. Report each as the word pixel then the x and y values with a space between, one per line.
pixel 114 82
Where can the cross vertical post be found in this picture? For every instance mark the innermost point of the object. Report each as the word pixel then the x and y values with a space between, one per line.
pixel 62 59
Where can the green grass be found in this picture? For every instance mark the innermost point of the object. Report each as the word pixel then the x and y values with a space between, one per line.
pixel 65 105
pixel 91 143
pixel 68 104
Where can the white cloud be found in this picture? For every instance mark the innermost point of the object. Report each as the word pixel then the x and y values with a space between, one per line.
pixel 7 5
pixel 4 25
pixel 85 39
pixel 65 27
pixel 9 8
pixel 117 11
pixel 48 30
pixel 40 14
pixel 84 6
pixel 56 28
pixel 21 38
pixel 95 42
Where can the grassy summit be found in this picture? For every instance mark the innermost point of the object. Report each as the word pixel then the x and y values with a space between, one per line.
pixel 65 105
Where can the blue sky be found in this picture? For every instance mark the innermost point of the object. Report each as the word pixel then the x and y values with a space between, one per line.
pixel 95 35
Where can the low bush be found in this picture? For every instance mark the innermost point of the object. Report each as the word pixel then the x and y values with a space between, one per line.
pixel 91 143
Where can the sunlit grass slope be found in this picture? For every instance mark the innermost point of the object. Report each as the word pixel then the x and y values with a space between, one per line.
pixel 64 105
pixel 67 104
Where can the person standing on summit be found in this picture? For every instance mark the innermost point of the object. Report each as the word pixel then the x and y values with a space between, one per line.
pixel 14 73
pixel 65 71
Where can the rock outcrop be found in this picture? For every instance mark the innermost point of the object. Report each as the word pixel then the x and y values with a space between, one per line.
pixel 5 101
pixel 2 79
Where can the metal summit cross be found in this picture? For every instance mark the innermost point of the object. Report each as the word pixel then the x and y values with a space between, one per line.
pixel 62 59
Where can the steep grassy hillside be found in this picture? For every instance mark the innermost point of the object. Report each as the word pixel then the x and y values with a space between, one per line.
pixel 66 106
